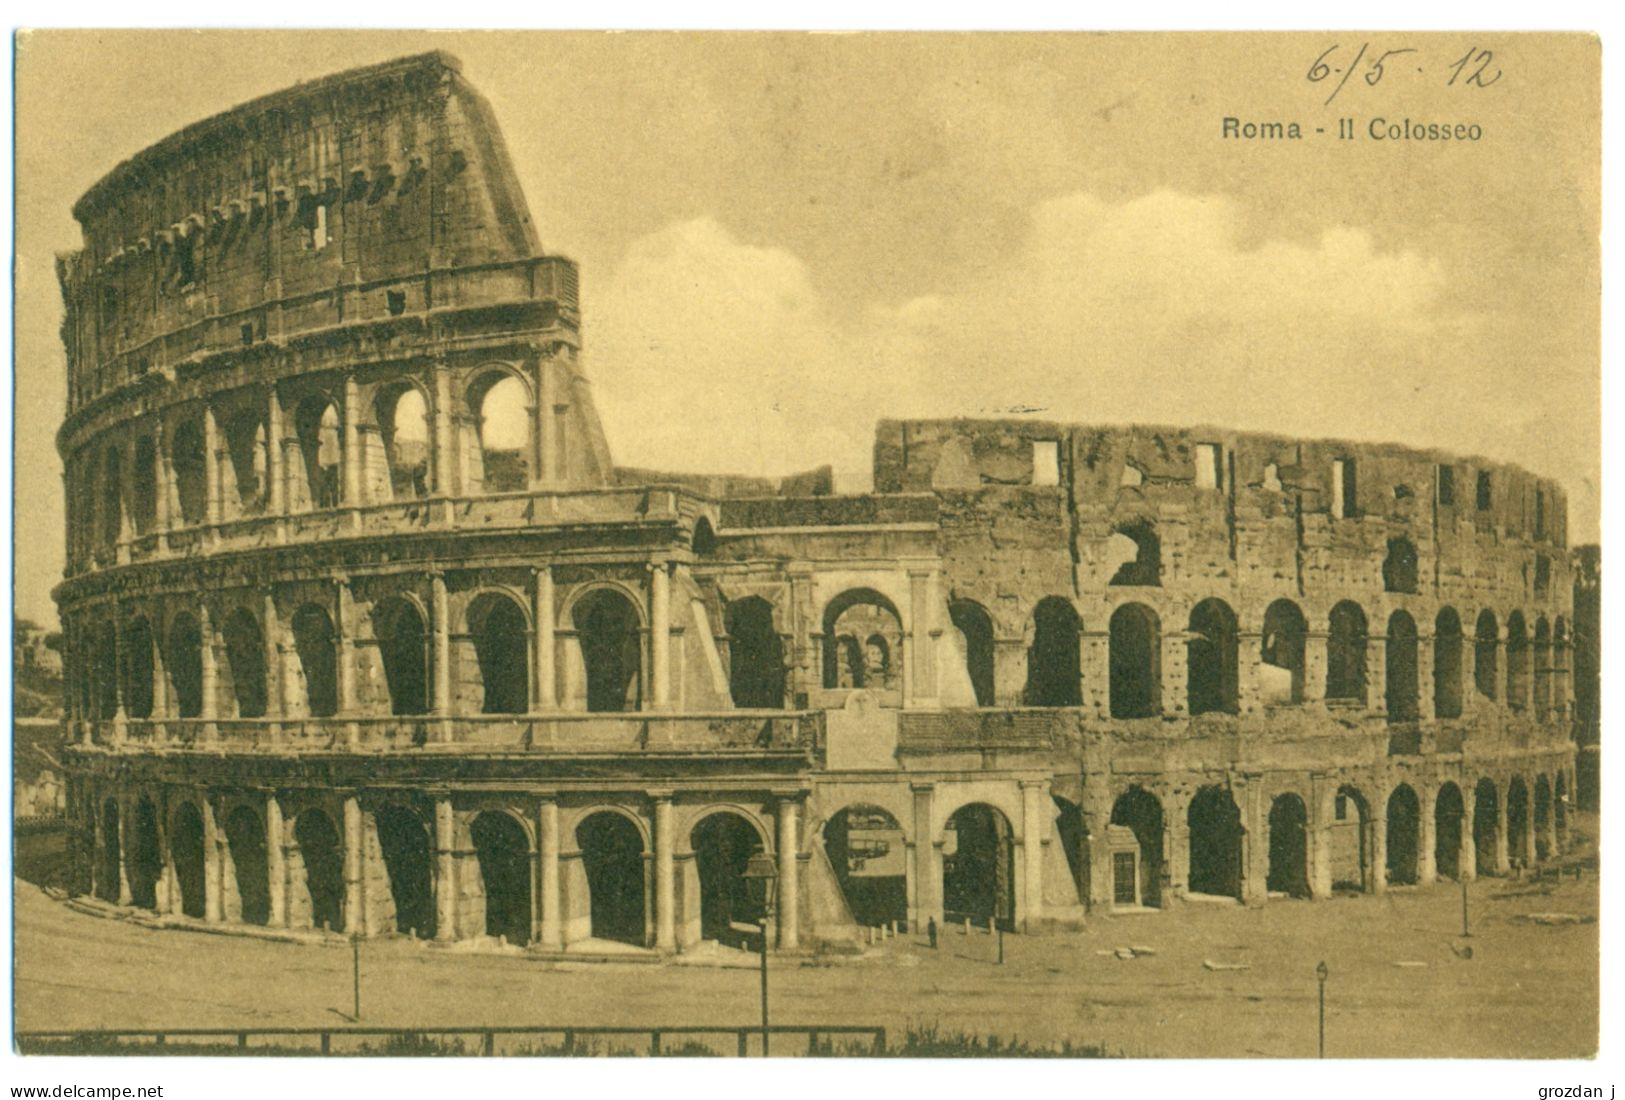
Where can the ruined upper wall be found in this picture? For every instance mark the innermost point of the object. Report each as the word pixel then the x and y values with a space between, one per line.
pixel 390 172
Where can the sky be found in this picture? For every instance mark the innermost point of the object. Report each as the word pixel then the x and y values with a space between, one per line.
pixel 783 238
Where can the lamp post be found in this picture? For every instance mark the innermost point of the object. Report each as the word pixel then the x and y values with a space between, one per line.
pixel 762 878
pixel 1321 972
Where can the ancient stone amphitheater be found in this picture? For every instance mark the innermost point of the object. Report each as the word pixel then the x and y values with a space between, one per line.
pixel 366 630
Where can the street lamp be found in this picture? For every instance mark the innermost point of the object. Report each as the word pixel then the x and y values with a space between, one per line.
pixel 762 880
pixel 1321 972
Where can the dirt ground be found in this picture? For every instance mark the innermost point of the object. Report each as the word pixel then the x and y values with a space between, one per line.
pixel 1399 985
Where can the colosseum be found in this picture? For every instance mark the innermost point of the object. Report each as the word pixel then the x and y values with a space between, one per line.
pixel 366 631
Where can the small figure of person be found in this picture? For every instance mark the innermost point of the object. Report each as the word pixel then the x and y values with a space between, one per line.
pixel 931 932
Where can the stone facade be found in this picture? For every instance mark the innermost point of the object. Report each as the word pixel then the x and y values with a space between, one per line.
pixel 365 630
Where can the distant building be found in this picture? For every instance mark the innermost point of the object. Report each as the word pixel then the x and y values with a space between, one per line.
pixel 1588 674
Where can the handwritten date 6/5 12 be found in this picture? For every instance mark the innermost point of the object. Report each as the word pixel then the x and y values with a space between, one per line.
pixel 1476 68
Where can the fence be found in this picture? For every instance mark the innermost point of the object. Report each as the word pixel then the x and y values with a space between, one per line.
pixel 570 1036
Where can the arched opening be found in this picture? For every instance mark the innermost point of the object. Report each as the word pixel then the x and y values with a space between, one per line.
pixel 1289 847
pixel 323 859
pixel 112 496
pixel 1399 665
pixel 138 671
pixel 1517 662
pixel 500 404
pixel 1348 841
pixel 146 856
pixel 607 627
pixel 978 865
pixel 317 647
pixel 1345 653
pixel 321 446
pixel 144 485
pixel 183 660
pixel 1560 811
pixel 249 452
pixel 403 650
pixel 1486 823
pixel 1404 835
pixel 1543 668
pixel 190 467
pixel 245 656
pixel 106 672
pixel 868 853
pixel 975 628
pixel 1210 659
pixel 1560 667
pixel 403 421
pixel 1139 811
pixel 186 855
pixel 1053 670
pixel 1136 546
pixel 1447 664
pixel 1215 829
pixel 723 843
pixel 1543 817
pixel 408 861
pixel 1518 821
pixel 501 651
pixel 107 880
pixel 1399 567
pixel 705 538
pixel 1486 641
pixel 1449 811
pixel 1282 653
pixel 1136 662
pixel 612 855
pixel 755 654
pixel 871 621
pixel 245 839
pixel 503 852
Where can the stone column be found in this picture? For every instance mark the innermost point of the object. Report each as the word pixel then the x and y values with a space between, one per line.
pixel 551 933
pixel 354 870
pixel 1503 860
pixel 1550 830
pixel 1528 853
pixel 549 429
pixel 277 499
pixel 920 659
pixel 545 696
pixel 927 860
pixel 1033 793
pixel 1322 798
pixel 660 635
pixel 276 676
pixel 208 688
pixel 211 468
pixel 1379 841
pixel 1176 845
pixel 445 882
pixel 344 641
pixel 789 876
pixel 1314 665
pixel 163 480
pixel 665 873
pixel 1468 857
pixel 441 613
pixel 445 463
pixel 1427 827
pixel 1249 660
pixel 1255 845
pixel 351 457
pixel 213 909
pixel 276 866
pixel 126 819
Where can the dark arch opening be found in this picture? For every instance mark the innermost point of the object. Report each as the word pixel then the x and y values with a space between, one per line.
pixel 107 881
pixel 1449 813
pixel 1289 847
pixel 1053 672
pixel 191 479
pixel 1349 841
pixel 144 502
pixel 1560 811
pixel 723 843
pixel 1543 817
pixel 1517 662
pixel 319 848
pixel 705 539
pixel 321 445
pixel 868 633
pixel 1136 662
pixel 1486 642
pixel 1136 544
pixel 1399 668
pixel 403 648
pixel 755 655
pixel 1404 835
pixel 1518 821
pixel 501 649
pixel 612 855
pixel 868 853
pixel 1447 664
pixel 975 628
pixel 317 646
pixel 1139 811
pixel 1543 668
pixel 186 853
pixel 146 856
pixel 248 453
pixel 408 861
pixel 245 656
pixel 1210 657
pixel 112 496
pixel 1073 833
pixel 1345 653
pixel 1486 823
pixel 138 669
pixel 1282 652
pixel 245 839
pixel 503 852
pixel 607 627
pixel 978 879
pixel 106 672
pixel 1399 567
pixel 184 662
pixel 1215 829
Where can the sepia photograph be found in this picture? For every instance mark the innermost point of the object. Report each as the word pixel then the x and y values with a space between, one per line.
pixel 813 545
